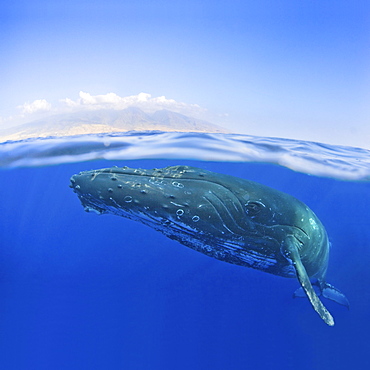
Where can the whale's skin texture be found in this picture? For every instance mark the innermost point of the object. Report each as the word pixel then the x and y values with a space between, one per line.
pixel 225 217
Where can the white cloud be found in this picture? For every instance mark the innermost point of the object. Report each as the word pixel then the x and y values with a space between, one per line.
pixel 143 101
pixel 41 108
pixel 35 106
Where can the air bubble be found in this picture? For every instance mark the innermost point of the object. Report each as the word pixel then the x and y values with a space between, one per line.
pixel 77 187
pixel 195 218
pixel 143 191
pixel 127 199
pixel 119 186
pixel 179 212
pixel 113 178
pixel 110 190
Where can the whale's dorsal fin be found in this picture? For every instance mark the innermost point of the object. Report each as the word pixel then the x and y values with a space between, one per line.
pixel 293 254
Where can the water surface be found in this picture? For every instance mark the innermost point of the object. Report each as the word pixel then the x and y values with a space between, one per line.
pixel 82 291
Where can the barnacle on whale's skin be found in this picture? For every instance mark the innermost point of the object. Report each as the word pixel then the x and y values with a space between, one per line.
pixel 228 218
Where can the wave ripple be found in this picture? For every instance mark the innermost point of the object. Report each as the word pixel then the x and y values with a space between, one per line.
pixel 344 163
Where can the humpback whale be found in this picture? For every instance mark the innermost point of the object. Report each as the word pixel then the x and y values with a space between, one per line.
pixel 228 218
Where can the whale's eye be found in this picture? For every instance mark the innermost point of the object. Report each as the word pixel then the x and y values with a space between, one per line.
pixel 253 208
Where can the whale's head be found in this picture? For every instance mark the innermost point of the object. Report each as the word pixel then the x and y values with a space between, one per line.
pixel 180 196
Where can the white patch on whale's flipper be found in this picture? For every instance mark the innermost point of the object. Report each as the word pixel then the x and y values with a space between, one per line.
pixel 292 252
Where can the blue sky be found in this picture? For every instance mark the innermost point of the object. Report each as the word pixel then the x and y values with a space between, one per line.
pixel 298 69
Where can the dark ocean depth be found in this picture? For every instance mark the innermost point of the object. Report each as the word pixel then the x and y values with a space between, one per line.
pixel 86 291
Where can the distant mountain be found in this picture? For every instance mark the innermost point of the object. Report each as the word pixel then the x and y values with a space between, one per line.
pixel 107 121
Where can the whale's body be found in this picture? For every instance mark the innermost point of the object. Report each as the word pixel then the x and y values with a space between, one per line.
pixel 228 218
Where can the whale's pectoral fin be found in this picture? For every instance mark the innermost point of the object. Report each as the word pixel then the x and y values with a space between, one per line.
pixel 332 293
pixel 326 290
pixel 304 280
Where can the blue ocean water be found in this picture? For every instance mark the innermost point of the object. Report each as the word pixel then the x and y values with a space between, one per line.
pixel 82 291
